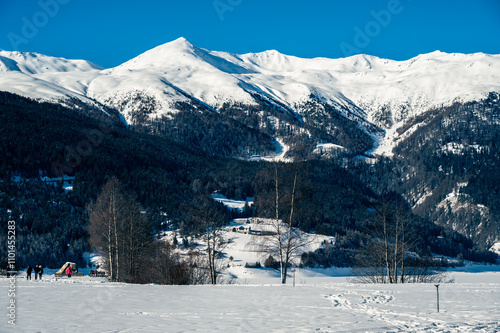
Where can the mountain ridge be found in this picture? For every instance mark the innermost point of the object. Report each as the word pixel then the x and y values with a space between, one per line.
pixel 374 92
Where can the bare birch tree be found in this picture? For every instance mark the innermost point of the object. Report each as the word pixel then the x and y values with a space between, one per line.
pixel 103 224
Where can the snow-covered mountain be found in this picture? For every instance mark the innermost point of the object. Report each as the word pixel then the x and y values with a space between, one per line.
pixel 43 77
pixel 361 88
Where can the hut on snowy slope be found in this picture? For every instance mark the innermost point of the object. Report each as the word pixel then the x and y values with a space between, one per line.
pixel 74 270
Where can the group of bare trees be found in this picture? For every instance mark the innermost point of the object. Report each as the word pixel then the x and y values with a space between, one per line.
pixel 389 257
pixel 389 244
pixel 120 230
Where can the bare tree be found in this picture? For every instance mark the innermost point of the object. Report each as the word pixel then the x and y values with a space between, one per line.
pixel 404 241
pixel 210 219
pixel 284 241
pixel 136 237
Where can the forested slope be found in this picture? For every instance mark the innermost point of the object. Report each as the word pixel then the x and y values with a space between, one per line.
pixel 42 139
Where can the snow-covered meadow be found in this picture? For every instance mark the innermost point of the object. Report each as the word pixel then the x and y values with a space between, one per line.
pixel 321 301
pixel 253 300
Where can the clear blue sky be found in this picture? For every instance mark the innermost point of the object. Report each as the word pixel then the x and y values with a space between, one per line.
pixel 109 32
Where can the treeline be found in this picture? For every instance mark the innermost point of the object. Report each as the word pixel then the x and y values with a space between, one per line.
pixel 201 128
pixel 329 200
pixel 396 246
pixel 34 135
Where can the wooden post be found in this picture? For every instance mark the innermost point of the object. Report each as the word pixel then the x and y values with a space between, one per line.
pixel 437 296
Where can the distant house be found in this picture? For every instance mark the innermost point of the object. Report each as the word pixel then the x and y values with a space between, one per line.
pixel 242 230
pixel 63 179
pixel 66 181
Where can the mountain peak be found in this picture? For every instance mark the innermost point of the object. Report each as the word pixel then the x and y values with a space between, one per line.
pixel 167 53
pixel 180 43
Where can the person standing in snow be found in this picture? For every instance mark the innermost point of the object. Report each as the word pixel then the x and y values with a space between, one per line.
pixel 40 271
pixel 68 271
pixel 28 273
pixel 35 270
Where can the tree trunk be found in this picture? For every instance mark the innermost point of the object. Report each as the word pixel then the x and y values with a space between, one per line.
pixel 211 256
pixel 386 249
pixel 110 242
pixel 395 259
pixel 289 231
pixel 403 254
pixel 131 249
pixel 115 224
pixel 110 254
pixel 278 230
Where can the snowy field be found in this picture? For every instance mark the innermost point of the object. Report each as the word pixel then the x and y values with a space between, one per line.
pixel 322 300
pixel 319 302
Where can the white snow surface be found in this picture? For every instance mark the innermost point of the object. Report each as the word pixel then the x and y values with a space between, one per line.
pixel 176 71
pixel 496 248
pixel 313 300
pixel 244 244
pixel 317 303
pixel 232 203
pixel 43 77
